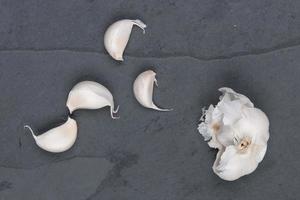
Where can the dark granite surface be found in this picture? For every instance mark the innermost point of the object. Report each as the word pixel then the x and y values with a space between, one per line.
pixel 195 47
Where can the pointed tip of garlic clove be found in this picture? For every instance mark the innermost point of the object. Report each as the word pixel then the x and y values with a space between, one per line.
pixel 118 56
pixel 161 109
pixel 70 108
pixel 117 35
pixel 72 104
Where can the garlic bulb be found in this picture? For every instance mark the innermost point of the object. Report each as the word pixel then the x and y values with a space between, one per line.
pixel 239 131
pixel 58 139
pixel 117 35
pixel 90 95
pixel 143 89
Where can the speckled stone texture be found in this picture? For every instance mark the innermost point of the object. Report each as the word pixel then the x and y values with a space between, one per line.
pixel 195 47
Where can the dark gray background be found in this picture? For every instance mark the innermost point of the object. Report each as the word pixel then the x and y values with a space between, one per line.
pixel 195 47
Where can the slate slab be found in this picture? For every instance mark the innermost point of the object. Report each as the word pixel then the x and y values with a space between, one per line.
pixel 195 47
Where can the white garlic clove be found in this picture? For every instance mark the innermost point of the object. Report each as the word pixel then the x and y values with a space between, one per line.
pixel 234 164
pixel 58 139
pixel 90 95
pixel 254 123
pixel 117 35
pixel 239 131
pixel 247 148
pixel 143 90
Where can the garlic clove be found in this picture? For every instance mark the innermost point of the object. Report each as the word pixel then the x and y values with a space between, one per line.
pixel 143 90
pixel 117 35
pixel 90 95
pixel 248 145
pixel 58 139
pixel 254 123
pixel 234 164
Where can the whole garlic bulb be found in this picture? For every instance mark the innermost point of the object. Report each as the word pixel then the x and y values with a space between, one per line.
pixel 239 131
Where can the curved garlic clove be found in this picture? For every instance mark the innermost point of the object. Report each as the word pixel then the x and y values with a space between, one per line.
pixel 143 90
pixel 58 139
pixel 90 95
pixel 117 35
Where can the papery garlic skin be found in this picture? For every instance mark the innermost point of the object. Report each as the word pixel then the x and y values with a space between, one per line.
pixel 58 139
pixel 117 35
pixel 90 95
pixel 239 131
pixel 143 90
